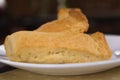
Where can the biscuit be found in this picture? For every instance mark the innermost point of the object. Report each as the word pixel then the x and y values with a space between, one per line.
pixel 68 19
pixel 56 47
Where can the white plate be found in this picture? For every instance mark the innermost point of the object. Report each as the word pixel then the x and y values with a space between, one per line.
pixel 70 69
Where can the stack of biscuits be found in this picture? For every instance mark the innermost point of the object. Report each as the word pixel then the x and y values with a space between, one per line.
pixel 59 41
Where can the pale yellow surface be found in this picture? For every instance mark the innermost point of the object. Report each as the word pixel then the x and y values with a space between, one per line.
pixel 41 47
pixel 17 74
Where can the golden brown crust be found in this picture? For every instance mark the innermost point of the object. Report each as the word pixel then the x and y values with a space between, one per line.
pixel 55 47
pixel 68 19
pixel 103 45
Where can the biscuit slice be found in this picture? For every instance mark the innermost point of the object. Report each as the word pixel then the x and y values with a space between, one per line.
pixel 68 19
pixel 56 48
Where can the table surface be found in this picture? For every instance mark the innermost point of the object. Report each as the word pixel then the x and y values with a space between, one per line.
pixel 17 74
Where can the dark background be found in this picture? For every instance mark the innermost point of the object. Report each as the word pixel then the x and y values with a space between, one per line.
pixel 15 15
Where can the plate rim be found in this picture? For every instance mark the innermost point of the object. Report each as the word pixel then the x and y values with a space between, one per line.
pixel 61 65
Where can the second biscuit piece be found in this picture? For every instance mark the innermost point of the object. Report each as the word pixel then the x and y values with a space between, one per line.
pixel 68 19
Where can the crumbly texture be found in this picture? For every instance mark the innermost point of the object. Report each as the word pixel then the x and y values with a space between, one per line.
pixel 68 19
pixel 103 45
pixel 56 47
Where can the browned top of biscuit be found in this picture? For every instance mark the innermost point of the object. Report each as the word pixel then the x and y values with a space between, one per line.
pixel 68 19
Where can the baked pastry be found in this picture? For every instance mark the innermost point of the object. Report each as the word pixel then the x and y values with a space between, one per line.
pixel 66 12
pixel 68 19
pixel 56 47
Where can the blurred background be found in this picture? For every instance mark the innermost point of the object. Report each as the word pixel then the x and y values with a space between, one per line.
pixel 15 15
